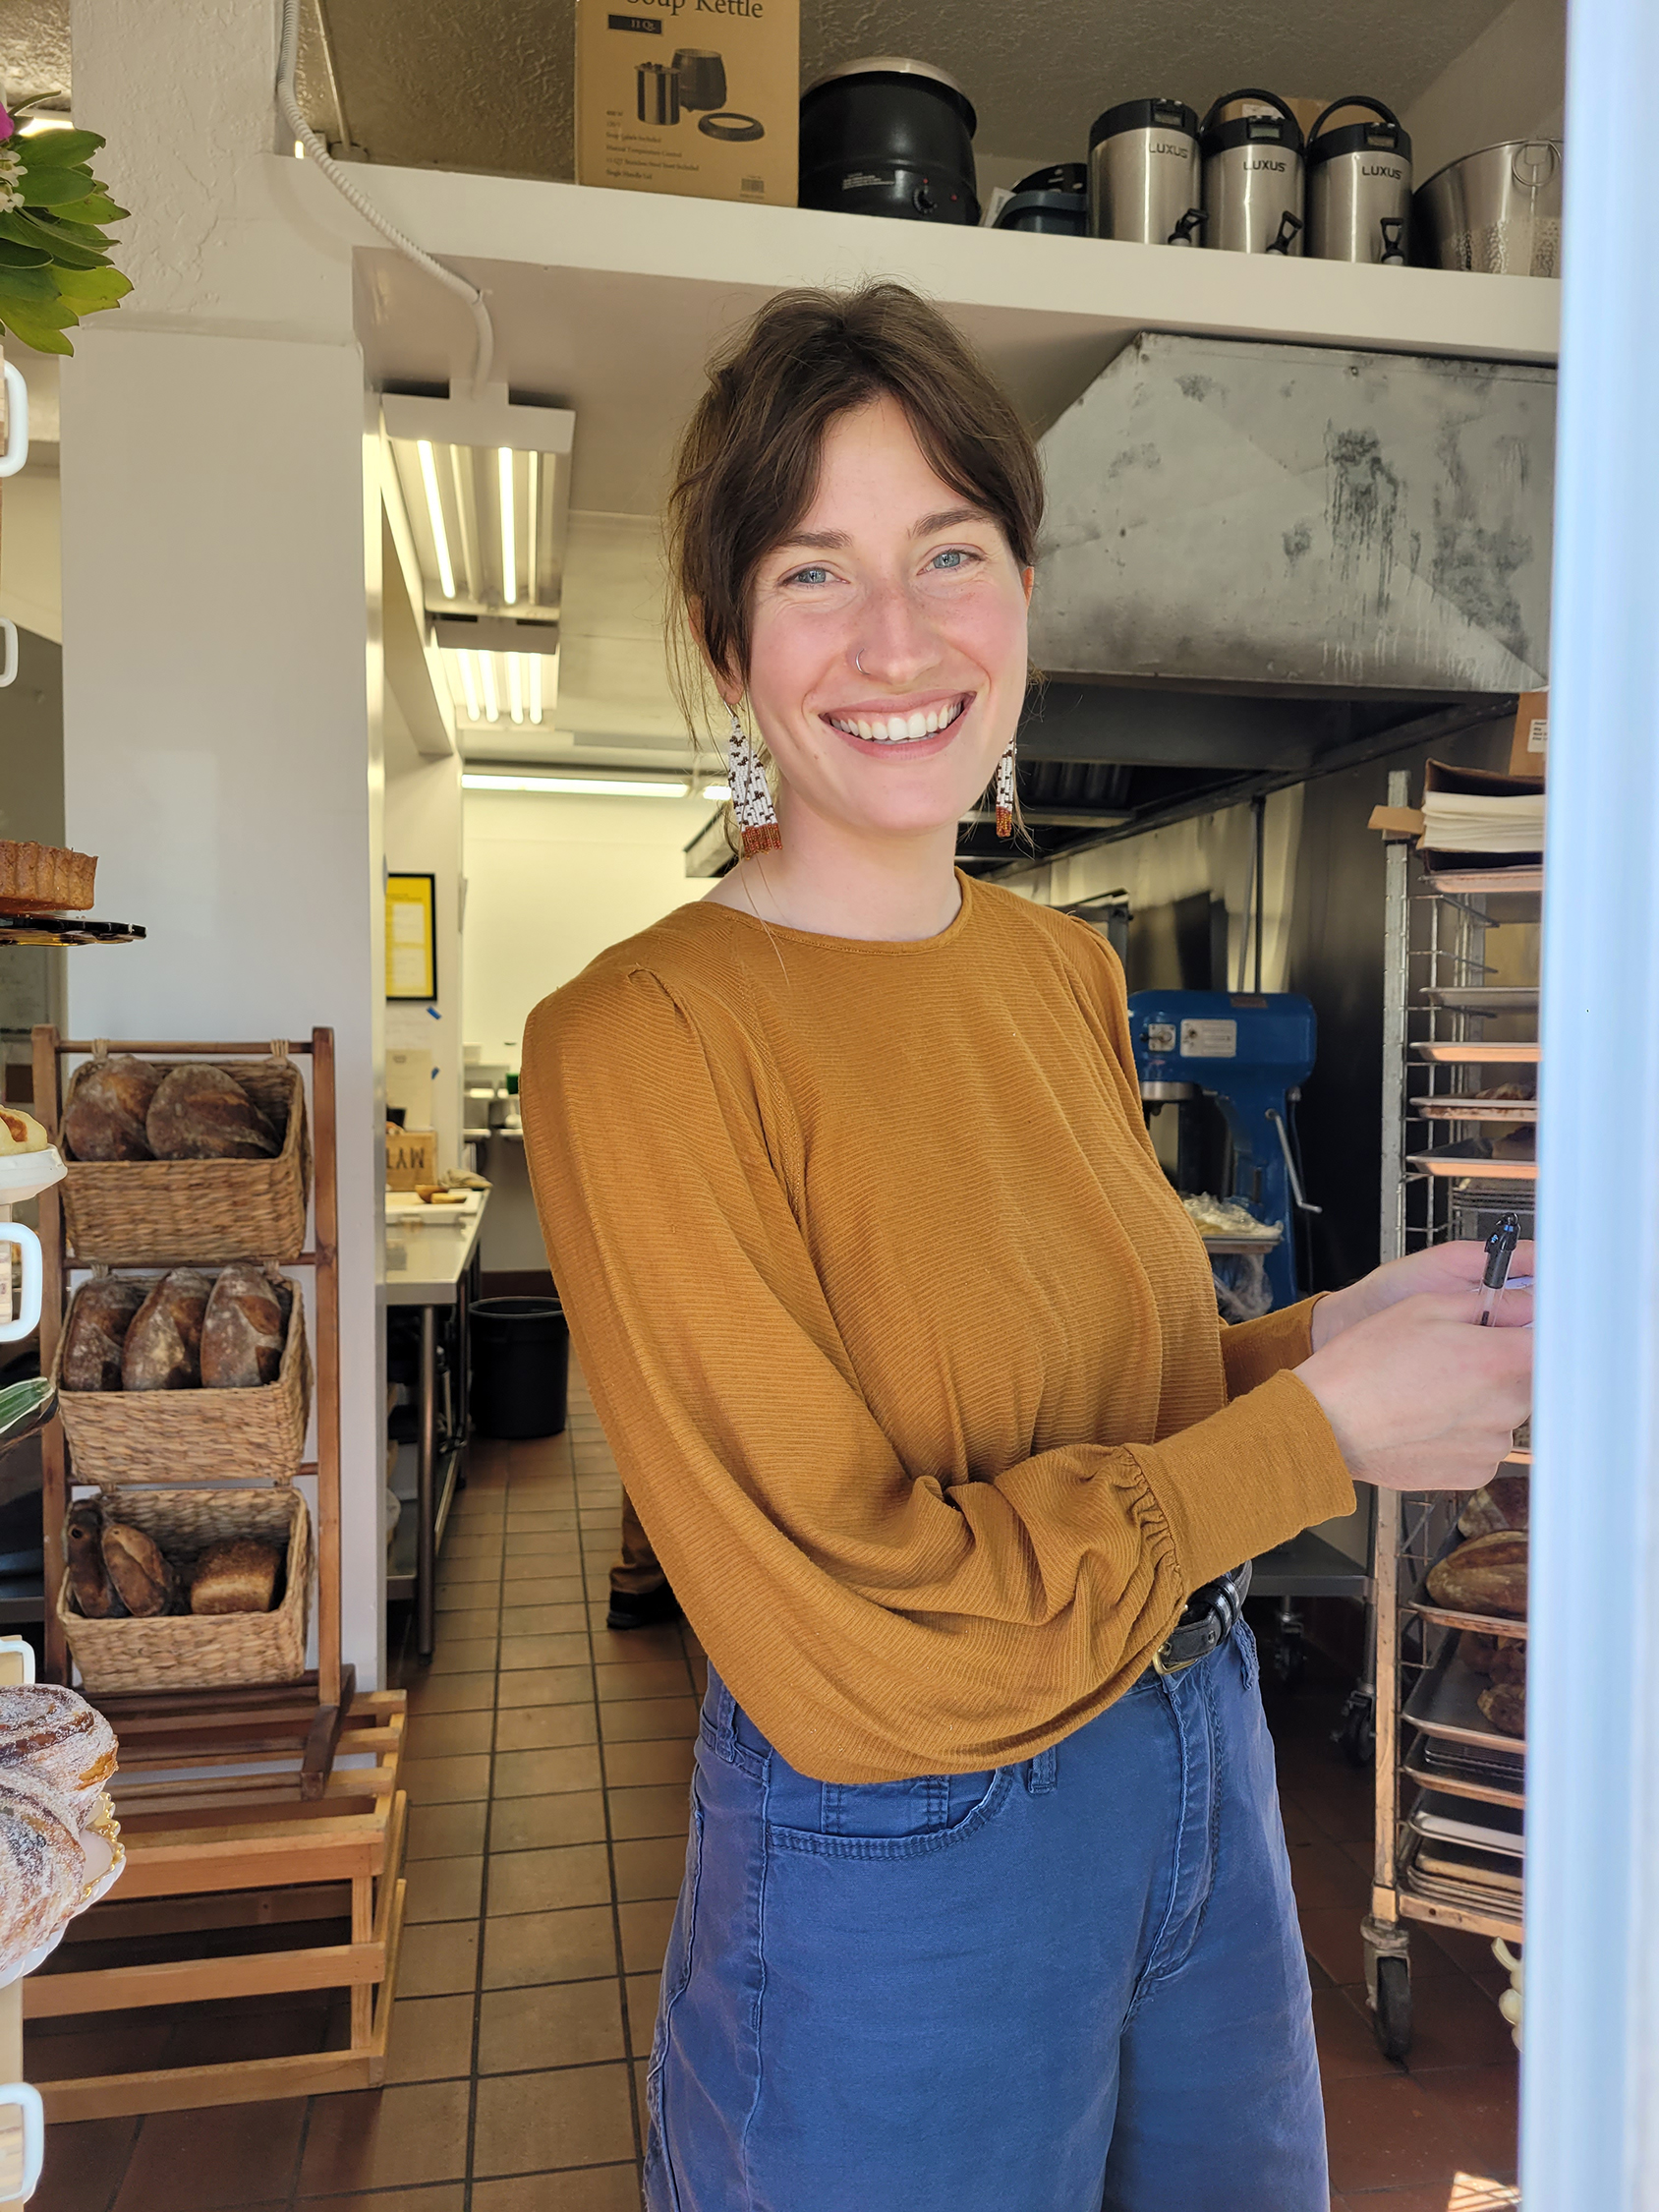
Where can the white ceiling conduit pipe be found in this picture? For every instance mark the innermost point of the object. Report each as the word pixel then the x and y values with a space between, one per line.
pixel 287 100
pixel 1590 2101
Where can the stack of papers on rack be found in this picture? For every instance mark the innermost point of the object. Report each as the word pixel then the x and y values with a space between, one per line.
pixel 1464 822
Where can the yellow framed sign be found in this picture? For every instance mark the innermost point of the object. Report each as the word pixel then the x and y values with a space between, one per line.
pixel 410 937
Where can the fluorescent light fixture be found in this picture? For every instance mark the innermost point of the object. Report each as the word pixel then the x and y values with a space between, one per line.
pixel 582 786
pixel 534 660
pixel 491 705
pixel 515 686
pixel 721 794
pixel 469 684
pixel 434 508
pixel 534 502
pixel 509 535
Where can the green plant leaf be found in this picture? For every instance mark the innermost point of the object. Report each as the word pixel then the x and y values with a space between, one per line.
pixel 41 336
pixel 57 188
pixel 57 148
pixel 22 257
pixel 89 289
pixel 28 284
pixel 99 209
pixel 86 236
pixel 23 230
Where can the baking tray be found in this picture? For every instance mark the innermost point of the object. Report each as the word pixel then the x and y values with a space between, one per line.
pixel 1480 1055
pixel 1466 1879
pixel 1483 998
pixel 1470 1109
pixel 1450 1160
pixel 1443 1704
pixel 1497 1830
pixel 1469 882
pixel 1494 1778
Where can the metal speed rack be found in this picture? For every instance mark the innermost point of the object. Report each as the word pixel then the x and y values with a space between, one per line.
pixel 1458 1024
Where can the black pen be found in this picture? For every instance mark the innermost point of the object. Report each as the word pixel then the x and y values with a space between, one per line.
pixel 1500 1250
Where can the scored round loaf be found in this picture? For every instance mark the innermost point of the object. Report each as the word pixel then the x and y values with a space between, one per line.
pixel 201 1113
pixel 243 1334
pixel 1486 1575
pixel 1503 1503
pixel 98 1323
pixel 55 1745
pixel 137 1567
pixel 237 1575
pixel 108 1108
pixel 95 1594
pixel 42 1875
pixel 1505 1705
pixel 163 1346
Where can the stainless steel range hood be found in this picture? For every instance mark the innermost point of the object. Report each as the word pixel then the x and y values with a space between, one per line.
pixel 1299 519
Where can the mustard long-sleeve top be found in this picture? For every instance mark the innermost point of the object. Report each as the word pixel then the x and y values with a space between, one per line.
pixel 908 1352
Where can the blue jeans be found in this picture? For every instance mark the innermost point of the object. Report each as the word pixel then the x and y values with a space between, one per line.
pixel 1064 1986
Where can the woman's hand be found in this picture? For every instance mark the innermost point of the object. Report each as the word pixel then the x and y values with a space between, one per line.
pixel 1440 1271
pixel 1419 1396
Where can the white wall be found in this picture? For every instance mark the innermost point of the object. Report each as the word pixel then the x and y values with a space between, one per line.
pixel 423 826
pixel 551 882
pixel 1510 83
pixel 221 538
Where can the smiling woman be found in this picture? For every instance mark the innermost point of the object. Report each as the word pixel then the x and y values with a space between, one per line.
pixel 910 1361
pixel 852 533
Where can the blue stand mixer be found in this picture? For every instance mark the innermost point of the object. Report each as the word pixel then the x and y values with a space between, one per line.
pixel 1252 1053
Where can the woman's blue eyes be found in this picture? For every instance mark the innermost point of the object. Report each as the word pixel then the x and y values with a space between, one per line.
pixel 952 560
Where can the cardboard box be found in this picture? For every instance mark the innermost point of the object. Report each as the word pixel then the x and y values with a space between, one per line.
pixel 1529 748
pixel 699 97
pixel 411 1157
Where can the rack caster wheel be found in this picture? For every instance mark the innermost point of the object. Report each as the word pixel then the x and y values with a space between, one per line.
pixel 1290 1660
pixel 1392 2017
pixel 1357 1733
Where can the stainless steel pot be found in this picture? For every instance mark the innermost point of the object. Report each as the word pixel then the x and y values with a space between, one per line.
pixel 656 93
pixel 1497 211
pixel 1358 186
pixel 1252 177
pixel 1143 174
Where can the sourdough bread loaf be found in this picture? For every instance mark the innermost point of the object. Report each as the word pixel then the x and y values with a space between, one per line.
pixel 42 1875
pixel 163 1346
pixel 1486 1575
pixel 1505 1705
pixel 237 1575
pixel 1504 1503
pixel 201 1113
pixel 45 878
pixel 139 1571
pixel 243 1331
pixel 96 1596
pixel 98 1324
pixel 55 1746
pixel 108 1108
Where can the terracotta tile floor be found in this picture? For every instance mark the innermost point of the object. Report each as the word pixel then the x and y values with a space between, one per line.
pixel 548 1771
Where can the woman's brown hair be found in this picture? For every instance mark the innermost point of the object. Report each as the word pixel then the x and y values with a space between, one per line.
pixel 748 462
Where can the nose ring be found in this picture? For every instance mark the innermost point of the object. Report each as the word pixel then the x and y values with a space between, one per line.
pixel 858 663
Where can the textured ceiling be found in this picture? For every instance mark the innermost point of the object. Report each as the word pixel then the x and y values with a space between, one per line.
pixel 487 84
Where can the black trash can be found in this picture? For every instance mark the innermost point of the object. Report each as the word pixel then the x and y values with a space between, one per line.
pixel 521 1366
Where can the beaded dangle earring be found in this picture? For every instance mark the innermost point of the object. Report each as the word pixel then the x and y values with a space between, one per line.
pixel 751 800
pixel 1005 792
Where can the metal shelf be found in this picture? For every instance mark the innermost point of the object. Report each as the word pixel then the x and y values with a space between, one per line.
pixel 65 929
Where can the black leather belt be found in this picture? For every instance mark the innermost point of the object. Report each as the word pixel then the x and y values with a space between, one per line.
pixel 1208 1618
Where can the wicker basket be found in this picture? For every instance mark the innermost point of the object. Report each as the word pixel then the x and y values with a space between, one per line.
pixel 190 1435
pixel 200 1650
pixel 139 1211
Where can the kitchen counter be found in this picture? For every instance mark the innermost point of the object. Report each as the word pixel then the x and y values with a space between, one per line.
pixel 429 1248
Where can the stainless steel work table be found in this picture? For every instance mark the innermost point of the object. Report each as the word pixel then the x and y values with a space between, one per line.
pixel 433 1262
